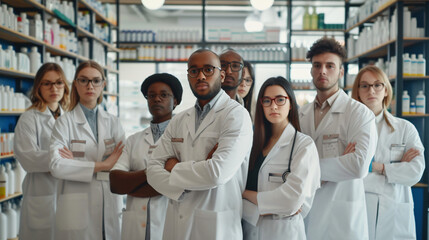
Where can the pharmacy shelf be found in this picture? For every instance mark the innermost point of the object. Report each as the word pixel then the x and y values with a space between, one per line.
pixel 408 78
pixel 7 156
pixel 246 43
pixel 99 17
pixel 16 74
pixel 149 61
pixel 137 44
pixel 300 61
pixel 61 52
pixel 26 4
pixel 381 50
pixel 15 195
pixel 110 70
pixel 374 15
pixel 17 37
pixel 110 94
pixel 415 115
pixel 84 33
pixel 317 32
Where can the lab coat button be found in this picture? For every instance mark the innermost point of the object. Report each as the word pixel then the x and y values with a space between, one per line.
pixel 143 224
pixel 144 207
pixel 181 216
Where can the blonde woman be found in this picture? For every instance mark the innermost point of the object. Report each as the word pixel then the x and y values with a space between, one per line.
pixel 86 143
pixel 398 163
pixel 50 94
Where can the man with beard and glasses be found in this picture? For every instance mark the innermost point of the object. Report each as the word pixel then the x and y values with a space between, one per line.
pixel 232 64
pixel 346 137
pixel 201 161
pixel 145 214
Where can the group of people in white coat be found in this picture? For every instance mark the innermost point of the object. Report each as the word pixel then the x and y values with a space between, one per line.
pixel 336 168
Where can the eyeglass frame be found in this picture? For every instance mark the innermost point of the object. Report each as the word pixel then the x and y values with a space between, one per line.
pixel 199 70
pixel 273 100
pixel 245 81
pixel 49 84
pixel 373 86
pixel 152 97
pixel 228 64
pixel 89 81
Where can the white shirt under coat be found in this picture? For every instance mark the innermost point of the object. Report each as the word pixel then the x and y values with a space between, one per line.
pixel 85 205
pixel 283 199
pixel 135 157
pixel 389 199
pixel 31 147
pixel 205 195
pixel 339 208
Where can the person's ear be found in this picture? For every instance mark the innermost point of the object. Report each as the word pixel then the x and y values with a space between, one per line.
pixel 174 103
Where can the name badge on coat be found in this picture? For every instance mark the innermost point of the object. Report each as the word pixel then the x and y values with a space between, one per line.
pixel 396 152
pixel 151 148
pixel 78 148
pixel 330 145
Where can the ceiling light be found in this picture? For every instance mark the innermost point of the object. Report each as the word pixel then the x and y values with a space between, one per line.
pixel 153 4
pixel 253 23
pixel 261 4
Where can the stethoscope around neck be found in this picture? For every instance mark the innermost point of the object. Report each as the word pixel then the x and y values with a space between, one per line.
pixel 286 173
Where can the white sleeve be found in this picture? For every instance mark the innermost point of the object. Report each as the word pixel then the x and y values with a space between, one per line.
pixel 362 130
pixel 62 168
pixel 408 173
pixel 26 148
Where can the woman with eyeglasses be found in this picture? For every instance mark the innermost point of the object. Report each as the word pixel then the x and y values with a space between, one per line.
pixel 245 89
pixel 86 143
pixel 397 165
pixel 284 170
pixel 49 96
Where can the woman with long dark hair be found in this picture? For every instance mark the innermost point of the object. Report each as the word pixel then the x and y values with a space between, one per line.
pixel 284 168
pixel 245 89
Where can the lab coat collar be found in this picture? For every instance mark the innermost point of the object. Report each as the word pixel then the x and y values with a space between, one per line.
pixel 48 116
pixel 340 104
pixel 79 118
pixel 285 139
pixel 148 137
pixel 218 106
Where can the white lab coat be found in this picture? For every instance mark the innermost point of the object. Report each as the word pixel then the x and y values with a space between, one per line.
pixel 211 206
pixel 339 209
pixel 135 157
pixel 31 144
pixel 283 199
pixel 84 203
pixel 388 197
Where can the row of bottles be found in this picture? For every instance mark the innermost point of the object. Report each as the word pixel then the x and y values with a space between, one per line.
pixel 369 7
pixel 161 35
pixel 12 101
pixel 158 53
pixel 381 32
pixel 269 34
pixel 316 21
pixel 10 213
pixel 24 61
pixel 302 84
pixel 412 66
pixel 64 7
pixel 417 107
pixel 6 143
pixel 11 177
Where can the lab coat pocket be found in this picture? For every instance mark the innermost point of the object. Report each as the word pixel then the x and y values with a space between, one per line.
pixel 274 175
pixel 131 226
pixel 41 210
pixel 211 225
pixel 72 212
pixel 349 218
pixel 404 221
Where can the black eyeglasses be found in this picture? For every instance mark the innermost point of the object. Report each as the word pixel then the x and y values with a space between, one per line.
pixel 235 66
pixel 377 86
pixel 96 82
pixel 248 81
pixel 162 96
pixel 208 70
pixel 279 100
pixel 48 84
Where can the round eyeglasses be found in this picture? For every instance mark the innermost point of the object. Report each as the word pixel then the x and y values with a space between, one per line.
pixel 208 70
pixel 48 84
pixel 279 100
pixel 96 82
pixel 235 66
pixel 247 81
pixel 377 86
pixel 162 96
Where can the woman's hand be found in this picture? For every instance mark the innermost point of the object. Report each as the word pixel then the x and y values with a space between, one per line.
pixel 251 196
pixel 65 153
pixel 350 148
pixel 410 155
pixel 107 164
